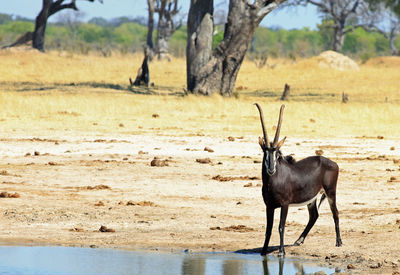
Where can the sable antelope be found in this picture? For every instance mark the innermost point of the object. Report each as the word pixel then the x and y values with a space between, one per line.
pixel 287 182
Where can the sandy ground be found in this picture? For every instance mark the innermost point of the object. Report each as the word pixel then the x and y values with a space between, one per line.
pixel 77 183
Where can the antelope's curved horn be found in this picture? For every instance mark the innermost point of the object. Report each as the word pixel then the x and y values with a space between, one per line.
pixel 262 125
pixel 278 128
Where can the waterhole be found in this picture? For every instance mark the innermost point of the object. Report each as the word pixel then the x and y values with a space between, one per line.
pixel 24 260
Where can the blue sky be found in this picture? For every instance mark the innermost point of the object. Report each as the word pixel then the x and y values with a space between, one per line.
pixel 288 19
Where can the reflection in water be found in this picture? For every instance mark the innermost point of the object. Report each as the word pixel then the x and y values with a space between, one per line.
pixel 86 261
pixel 193 266
pixel 232 267
pixel 298 266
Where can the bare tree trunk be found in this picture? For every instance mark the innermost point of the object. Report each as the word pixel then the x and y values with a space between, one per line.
pixel 48 9
pixel 40 26
pixel 338 36
pixel 166 10
pixel 199 42
pixel 164 34
pixel 220 72
pixel 150 24
pixel 392 40
pixel 286 92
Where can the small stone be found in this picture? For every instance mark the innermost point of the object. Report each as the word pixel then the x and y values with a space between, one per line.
pixel 350 266
pixel 203 161
pixel 319 152
pixel 230 138
pixel 105 229
pixel 159 162
pixel 36 153
pixel 208 149
pixel 375 265
pixel 100 203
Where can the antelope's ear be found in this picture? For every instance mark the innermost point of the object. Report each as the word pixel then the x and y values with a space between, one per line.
pixel 261 142
pixel 280 143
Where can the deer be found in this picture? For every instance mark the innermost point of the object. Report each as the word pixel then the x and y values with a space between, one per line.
pixel 287 182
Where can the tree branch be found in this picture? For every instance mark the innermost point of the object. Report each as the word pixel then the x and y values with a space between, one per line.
pixel 352 10
pixel 57 6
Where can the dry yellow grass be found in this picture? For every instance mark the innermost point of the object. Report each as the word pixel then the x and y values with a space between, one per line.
pixel 36 95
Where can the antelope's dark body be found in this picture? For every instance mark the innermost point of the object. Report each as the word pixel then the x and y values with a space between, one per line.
pixel 300 181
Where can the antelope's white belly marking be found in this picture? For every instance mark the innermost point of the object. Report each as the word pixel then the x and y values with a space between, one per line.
pixel 306 202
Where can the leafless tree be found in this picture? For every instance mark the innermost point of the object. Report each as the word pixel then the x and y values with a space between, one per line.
pixel 49 7
pixel 208 70
pixel 150 24
pixel 382 18
pixel 341 12
pixel 166 26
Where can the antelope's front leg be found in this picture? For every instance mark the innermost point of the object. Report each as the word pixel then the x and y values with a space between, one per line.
pixel 270 223
pixel 284 211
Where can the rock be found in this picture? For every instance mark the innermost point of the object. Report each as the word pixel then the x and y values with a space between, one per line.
pixel 100 203
pixel 36 153
pixel 208 149
pixel 203 161
pixel 158 162
pixel 375 265
pixel 319 152
pixel 350 266
pixel 231 138
pixel 141 203
pixel 105 229
pixel 76 229
pixel 9 195
pixel 155 115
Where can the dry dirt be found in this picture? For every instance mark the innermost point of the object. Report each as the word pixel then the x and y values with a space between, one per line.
pixel 71 185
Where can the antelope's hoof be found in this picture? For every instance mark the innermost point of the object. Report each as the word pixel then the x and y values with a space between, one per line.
pixel 339 243
pixel 263 252
pixel 281 253
pixel 299 242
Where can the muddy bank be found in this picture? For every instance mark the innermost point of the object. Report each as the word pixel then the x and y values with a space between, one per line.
pixel 70 188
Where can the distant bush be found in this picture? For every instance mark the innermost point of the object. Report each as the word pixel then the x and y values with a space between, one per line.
pixel 126 35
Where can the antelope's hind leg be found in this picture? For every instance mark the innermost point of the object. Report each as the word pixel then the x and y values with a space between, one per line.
pixel 313 216
pixel 335 214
